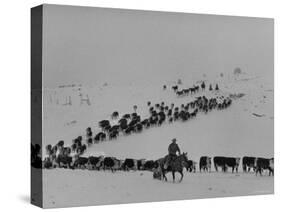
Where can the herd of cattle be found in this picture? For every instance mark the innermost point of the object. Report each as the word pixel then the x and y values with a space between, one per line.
pixel 257 164
pixel 159 113
pixel 192 90
pixel 62 160
pixel 72 157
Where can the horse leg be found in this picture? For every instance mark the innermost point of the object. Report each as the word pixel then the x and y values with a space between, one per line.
pixel 173 173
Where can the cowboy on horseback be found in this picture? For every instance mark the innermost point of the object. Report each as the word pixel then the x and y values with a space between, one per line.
pixel 173 149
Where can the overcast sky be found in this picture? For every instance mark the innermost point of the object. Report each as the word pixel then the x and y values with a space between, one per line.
pixel 94 45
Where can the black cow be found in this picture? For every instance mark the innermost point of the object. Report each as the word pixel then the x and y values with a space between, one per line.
pixel 180 93
pixel 114 128
pixel 89 141
pixel 60 143
pixel 113 135
pixel 108 163
pixel 175 88
pixel 129 164
pixel 64 161
pixel 100 137
pixel 248 163
pixel 114 115
pixel 219 162
pixel 126 116
pixel 140 164
pixel 94 162
pixel 205 163
pixel 264 164
pixel 150 165
pixel 81 149
pixel 123 124
pixel 47 163
pixel 104 123
pixel 89 133
pixel 129 130
pixel 190 166
pixel 80 162
pixel 203 86
pixel 138 127
pixel 225 162
pixel 233 163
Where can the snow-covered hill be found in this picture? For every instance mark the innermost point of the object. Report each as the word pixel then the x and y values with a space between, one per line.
pixel 235 131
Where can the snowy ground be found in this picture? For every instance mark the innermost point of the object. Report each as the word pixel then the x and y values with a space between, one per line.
pixel 66 188
pixel 234 131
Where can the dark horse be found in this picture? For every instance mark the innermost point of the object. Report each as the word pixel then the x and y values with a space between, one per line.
pixel 175 165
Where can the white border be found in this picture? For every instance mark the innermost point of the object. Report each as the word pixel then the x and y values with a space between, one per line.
pixel 15 100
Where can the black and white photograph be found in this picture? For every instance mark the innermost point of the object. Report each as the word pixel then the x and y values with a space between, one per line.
pixel 143 106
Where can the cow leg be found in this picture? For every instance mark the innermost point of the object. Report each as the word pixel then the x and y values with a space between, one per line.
pixel 181 176
pixel 244 168
pixel 258 170
pixel 71 166
pixel 216 167
pixel 271 172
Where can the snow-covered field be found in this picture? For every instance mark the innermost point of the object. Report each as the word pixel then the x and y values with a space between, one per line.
pixel 234 131
pixel 66 188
